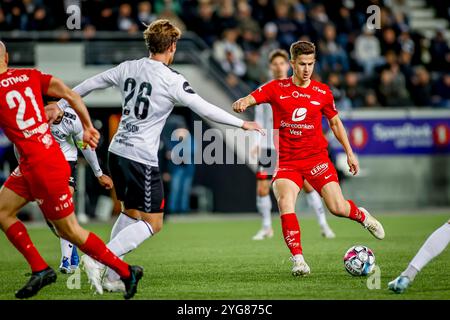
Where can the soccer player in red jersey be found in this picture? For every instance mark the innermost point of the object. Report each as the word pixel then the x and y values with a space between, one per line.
pixel 298 104
pixel 43 174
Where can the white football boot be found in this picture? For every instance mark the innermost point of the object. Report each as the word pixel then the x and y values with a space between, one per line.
pixel 373 225
pixel 93 271
pixel 263 234
pixel 326 232
pixel 399 284
pixel 300 267
pixel 113 285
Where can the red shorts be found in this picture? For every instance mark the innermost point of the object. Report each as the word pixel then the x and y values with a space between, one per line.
pixel 318 171
pixel 45 183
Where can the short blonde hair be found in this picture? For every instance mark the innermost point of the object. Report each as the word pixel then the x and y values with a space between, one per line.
pixel 302 47
pixel 160 35
pixel 278 53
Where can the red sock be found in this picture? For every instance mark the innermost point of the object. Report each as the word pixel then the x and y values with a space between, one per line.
pixel 18 235
pixel 96 248
pixel 355 213
pixel 291 232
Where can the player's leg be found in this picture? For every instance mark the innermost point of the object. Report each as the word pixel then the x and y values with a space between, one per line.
pixel 264 207
pixel 67 248
pixel 322 175
pixel 339 206
pixel 88 242
pixel 10 203
pixel 286 192
pixel 140 186
pixel 315 201
pixel 433 246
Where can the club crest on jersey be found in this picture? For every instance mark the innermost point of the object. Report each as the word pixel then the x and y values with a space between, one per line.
pixel 299 114
pixel 187 87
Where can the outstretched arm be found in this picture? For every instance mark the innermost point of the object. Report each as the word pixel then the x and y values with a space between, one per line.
pixel 58 89
pixel 243 103
pixel 214 113
pixel 102 80
pixel 339 132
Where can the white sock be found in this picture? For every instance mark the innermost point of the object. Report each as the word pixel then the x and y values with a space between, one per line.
pixel 264 206
pixel 127 240
pixel 433 246
pixel 122 222
pixel 66 248
pixel 315 201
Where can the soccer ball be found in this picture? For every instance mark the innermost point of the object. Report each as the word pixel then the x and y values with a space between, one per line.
pixel 359 260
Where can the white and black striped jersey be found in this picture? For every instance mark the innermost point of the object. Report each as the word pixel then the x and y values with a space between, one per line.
pixel 149 90
pixel 69 134
pixel 264 117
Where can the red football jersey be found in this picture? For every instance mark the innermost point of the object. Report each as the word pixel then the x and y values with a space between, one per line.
pixel 22 112
pixel 297 116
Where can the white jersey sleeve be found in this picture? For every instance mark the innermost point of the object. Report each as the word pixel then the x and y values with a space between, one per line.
pixel 185 95
pixel 88 153
pixel 102 80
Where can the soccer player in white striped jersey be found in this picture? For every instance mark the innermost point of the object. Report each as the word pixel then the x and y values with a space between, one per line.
pixel 149 89
pixel 433 246
pixel 279 68
pixel 68 132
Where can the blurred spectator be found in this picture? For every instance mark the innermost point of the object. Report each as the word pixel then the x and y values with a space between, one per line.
pixel 389 41
pixel 421 87
pixel 204 24
pixel 406 68
pixel 270 42
pixel 441 91
pixel 256 72
pixel 287 27
pixel 319 19
pixel 103 16
pixel 181 169
pixel 168 5
pixel 249 41
pixel 229 54
pixel 440 53
pixel 354 89
pixel 171 15
pixel 342 102
pixel 405 41
pixel 15 15
pixel 392 89
pixel 371 99
pixel 333 57
pixel 3 23
pixel 125 21
pixel 226 15
pixel 367 50
pixel 145 15
pixel 245 19
pixel 345 26
pixel 262 11
pixel 41 20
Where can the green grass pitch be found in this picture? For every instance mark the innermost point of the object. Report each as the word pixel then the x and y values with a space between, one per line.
pixel 218 260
